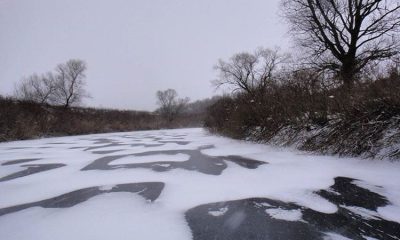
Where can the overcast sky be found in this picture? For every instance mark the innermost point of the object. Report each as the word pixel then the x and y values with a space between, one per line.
pixel 133 48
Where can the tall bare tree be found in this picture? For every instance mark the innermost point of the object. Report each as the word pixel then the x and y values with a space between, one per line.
pixel 249 72
pixel 70 82
pixel 36 88
pixel 345 35
pixel 63 87
pixel 170 106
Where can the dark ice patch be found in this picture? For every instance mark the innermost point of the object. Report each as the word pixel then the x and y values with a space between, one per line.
pixel 18 148
pixel 78 147
pixel 174 138
pixel 59 143
pixel 176 142
pixel 107 152
pixel 197 162
pixel 129 137
pixel 102 141
pixel 105 146
pixel 148 190
pixel 174 135
pixel 146 145
pixel 352 195
pixel 242 161
pixel 18 161
pixel 118 150
pixel 31 169
pixel 247 219
pixel 152 137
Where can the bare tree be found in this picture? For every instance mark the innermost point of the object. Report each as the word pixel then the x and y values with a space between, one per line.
pixel 70 82
pixel 63 87
pixel 345 35
pixel 36 88
pixel 249 72
pixel 170 106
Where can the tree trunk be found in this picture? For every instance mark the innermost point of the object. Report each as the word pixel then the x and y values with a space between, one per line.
pixel 348 73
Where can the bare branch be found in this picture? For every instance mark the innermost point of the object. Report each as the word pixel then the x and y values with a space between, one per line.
pixel 250 72
pixel 353 32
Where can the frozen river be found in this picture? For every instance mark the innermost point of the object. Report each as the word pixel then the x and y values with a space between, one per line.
pixel 188 184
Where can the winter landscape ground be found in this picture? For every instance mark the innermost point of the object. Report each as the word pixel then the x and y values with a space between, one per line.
pixel 189 184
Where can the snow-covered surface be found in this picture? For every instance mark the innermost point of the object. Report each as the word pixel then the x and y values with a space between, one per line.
pixel 282 214
pixel 219 212
pixel 390 212
pixel 288 176
pixel 334 236
pixel 365 213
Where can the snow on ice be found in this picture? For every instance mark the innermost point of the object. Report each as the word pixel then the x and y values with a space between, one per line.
pixel 289 176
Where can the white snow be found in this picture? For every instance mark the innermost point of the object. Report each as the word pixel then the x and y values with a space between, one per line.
pixel 334 236
pixel 107 216
pixel 370 238
pixel 390 212
pixel 219 212
pixel 152 158
pixel 263 205
pixel 106 187
pixel 289 176
pixel 282 214
pixel 365 213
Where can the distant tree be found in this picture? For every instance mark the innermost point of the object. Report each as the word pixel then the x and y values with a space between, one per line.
pixel 345 36
pixel 64 87
pixel 249 72
pixel 170 106
pixel 70 82
pixel 36 88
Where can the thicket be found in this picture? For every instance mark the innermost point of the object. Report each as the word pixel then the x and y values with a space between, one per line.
pixel 26 119
pixel 298 109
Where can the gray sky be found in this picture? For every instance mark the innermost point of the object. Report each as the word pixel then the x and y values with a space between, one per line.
pixel 133 48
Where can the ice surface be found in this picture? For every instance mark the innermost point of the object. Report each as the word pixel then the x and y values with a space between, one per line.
pixel 289 176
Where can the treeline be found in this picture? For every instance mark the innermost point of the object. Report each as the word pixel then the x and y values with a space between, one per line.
pixel 26 119
pixel 22 119
pixel 300 112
